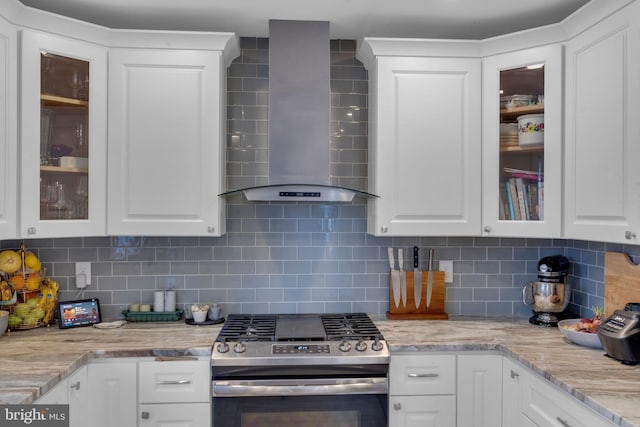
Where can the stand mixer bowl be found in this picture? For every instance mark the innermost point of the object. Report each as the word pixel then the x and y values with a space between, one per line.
pixel 546 297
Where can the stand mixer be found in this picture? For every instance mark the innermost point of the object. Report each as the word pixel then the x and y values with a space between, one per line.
pixel 549 296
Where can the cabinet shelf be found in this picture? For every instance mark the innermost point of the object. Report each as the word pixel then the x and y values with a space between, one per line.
pixel 533 148
pixel 513 113
pixel 58 169
pixel 62 101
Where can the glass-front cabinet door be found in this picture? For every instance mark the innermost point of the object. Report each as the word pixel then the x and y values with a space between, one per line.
pixel 63 145
pixel 522 143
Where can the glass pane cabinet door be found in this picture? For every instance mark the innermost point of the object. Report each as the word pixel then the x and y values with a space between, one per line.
pixel 522 143
pixel 64 142
pixel 63 174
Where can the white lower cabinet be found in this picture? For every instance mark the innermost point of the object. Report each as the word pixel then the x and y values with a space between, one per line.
pixel 174 393
pixel 479 391
pixel 422 390
pixel 112 393
pixel 532 401
pixel 71 391
pixel 512 386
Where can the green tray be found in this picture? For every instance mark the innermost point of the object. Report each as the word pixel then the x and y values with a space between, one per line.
pixel 152 316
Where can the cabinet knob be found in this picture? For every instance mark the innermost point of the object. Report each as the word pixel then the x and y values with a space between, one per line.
pixel 397 406
pixel 31 230
pixel 514 375
pixel 76 386
pixel 211 229
pixel 144 415
pixel 383 229
pixel 487 229
pixel 629 235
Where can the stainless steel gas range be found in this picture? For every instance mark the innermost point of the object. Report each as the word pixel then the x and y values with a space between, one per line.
pixel 300 369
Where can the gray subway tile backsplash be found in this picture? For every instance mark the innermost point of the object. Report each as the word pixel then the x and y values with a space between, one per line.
pixel 308 257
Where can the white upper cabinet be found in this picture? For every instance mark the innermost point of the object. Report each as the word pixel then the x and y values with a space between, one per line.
pixel 166 142
pixel 522 143
pixel 424 142
pixel 8 130
pixel 602 178
pixel 63 123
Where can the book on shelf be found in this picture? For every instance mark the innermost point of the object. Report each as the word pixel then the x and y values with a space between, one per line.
pixel 521 200
pixel 515 199
pixel 507 201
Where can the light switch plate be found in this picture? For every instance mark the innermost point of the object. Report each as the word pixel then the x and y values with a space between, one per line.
pixel 447 267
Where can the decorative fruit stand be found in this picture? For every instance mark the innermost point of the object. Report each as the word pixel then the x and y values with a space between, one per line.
pixel 25 291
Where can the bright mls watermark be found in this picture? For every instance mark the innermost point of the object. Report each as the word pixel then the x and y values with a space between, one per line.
pixel 34 415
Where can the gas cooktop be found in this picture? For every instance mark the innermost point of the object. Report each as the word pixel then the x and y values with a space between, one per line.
pixel 298 327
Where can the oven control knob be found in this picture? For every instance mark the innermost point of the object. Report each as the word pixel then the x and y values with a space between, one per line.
pixel 223 347
pixel 240 347
pixel 361 346
pixel 377 345
pixel 344 346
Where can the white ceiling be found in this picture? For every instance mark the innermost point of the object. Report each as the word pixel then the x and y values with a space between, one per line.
pixel 350 19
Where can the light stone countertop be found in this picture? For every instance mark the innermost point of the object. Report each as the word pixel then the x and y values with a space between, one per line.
pixel 32 362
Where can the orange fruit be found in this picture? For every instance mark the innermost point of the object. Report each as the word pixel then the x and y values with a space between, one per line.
pixel 18 281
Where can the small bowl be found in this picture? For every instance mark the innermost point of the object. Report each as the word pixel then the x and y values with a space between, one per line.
pixel 199 316
pixel 581 338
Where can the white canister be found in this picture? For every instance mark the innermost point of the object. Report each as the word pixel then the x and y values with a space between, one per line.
pixel 170 300
pixel 531 129
pixel 158 301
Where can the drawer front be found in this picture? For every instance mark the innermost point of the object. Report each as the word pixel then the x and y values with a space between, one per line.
pixel 422 411
pixel 183 415
pixel 421 374
pixel 174 382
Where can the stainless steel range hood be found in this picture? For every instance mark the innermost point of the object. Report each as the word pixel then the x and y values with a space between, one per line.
pixel 299 107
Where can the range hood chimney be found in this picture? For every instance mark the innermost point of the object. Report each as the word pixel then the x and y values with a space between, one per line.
pixel 299 108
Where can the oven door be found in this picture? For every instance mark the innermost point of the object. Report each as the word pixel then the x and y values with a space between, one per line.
pixel 301 402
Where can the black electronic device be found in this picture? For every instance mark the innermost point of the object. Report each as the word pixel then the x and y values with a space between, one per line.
pixel 620 334
pixel 85 312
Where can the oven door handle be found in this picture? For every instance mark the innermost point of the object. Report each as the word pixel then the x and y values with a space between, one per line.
pixel 301 387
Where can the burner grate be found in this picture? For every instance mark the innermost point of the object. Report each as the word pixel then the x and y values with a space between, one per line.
pixel 350 326
pixel 248 328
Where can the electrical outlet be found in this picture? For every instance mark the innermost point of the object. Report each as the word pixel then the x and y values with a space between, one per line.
pixel 83 274
pixel 447 267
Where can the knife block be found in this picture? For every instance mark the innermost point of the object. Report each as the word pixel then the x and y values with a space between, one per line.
pixel 408 312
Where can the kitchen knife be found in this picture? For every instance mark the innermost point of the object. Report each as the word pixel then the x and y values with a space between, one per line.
pixel 417 278
pixel 403 278
pixel 430 277
pixel 395 278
